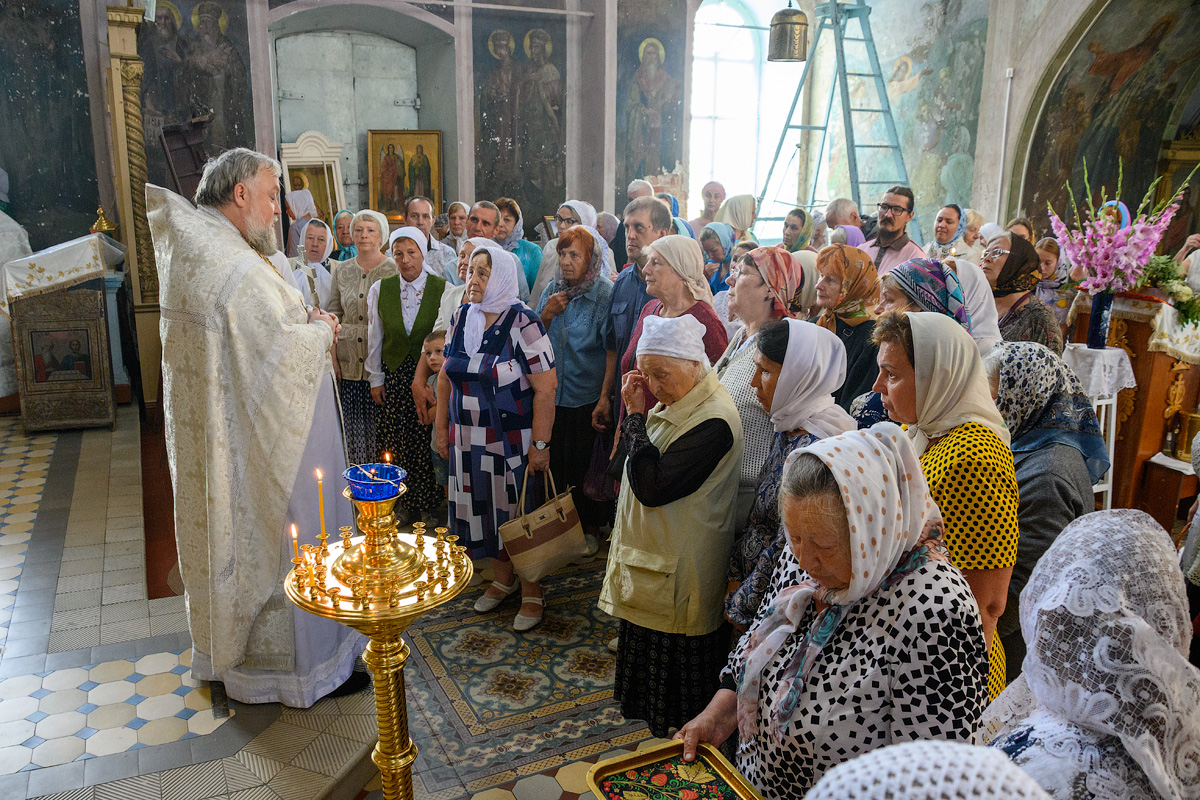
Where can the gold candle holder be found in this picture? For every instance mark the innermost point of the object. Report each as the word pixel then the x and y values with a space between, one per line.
pixel 379 586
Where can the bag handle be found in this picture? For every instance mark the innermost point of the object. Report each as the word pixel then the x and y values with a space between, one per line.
pixel 550 487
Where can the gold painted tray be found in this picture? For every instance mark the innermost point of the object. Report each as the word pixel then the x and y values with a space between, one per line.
pixel 660 773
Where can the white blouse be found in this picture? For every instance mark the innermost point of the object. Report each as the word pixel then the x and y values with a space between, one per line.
pixel 411 295
pixel 735 369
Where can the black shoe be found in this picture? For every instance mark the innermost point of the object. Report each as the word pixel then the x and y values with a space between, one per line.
pixel 353 685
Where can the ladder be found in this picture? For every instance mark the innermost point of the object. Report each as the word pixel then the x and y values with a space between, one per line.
pixel 835 17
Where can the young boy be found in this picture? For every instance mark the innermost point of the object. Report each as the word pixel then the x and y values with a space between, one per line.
pixel 431 351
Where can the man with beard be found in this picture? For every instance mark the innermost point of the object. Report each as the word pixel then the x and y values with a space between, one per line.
pixel 164 84
pixel 250 414
pixel 218 79
pixel 891 246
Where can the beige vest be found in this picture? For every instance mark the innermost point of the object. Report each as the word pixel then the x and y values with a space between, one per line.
pixel 667 565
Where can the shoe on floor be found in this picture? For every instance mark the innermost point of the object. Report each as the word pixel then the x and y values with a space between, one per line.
pixel 485 604
pixel 523 623
pixel 353 685
pixel 612 644
pixel 593 546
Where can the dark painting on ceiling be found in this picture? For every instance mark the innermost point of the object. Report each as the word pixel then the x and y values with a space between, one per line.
pixel 197 57
pixel 1112 101
pixel 520 76
pixel 45 121
pixel 651 40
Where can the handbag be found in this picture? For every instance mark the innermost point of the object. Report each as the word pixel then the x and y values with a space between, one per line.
pixel 597 485
pixel 546 539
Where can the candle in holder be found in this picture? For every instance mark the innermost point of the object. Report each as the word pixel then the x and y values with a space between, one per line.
pixel 295 546
pixel 321 498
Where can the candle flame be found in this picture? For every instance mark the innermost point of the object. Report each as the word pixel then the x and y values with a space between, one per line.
pixel 319 475
pixel 293 531
pixel 387 458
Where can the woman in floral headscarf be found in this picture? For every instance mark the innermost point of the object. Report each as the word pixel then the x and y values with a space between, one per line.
pixel 867 636
pixel 1013 268
pixel 1108 706
pixel 798 227
pixel 847 293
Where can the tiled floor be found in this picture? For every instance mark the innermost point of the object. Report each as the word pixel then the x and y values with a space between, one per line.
pixel 97 701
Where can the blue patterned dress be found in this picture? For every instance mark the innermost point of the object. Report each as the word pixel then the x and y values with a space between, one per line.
pixel 491 423
pixel 752 562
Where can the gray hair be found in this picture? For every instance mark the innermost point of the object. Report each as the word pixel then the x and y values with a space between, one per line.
pixel 660 215
pixel 639 185
pixel 807 476
pixel 489 206
pixel 840 210
pixel 223 173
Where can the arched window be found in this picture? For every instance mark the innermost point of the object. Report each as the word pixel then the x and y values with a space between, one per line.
pixel 726 70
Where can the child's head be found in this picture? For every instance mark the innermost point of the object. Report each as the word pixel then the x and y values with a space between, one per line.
pixel 435 343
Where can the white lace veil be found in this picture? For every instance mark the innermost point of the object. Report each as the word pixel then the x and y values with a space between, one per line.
pixel 1105 618
pixel 927 770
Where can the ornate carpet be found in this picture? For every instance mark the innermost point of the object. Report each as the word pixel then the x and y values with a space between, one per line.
pixel 487 704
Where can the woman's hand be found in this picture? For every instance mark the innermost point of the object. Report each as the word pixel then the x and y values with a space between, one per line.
pixel 441 438
pixel 377 395
pixel 554 306
pixel 602 414
pixel 633 392
pixel 424 400
pixel 539 460
pixel 713 725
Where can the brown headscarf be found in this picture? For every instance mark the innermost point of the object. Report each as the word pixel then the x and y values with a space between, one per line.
pixel 1021 272
pixel 860 285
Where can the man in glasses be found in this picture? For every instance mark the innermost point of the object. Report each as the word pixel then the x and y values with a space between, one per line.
pixel 891 246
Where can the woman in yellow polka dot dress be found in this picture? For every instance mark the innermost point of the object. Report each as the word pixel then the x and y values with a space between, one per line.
pixel 932 379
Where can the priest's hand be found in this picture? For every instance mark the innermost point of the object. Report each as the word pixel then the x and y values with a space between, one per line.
pixel 377 395
pixel 317 315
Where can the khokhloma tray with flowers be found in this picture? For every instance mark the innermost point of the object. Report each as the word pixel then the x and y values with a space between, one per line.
pixel 660 773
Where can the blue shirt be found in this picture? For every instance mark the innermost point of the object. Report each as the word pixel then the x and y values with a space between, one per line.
pixel 577 335
pixel 629 297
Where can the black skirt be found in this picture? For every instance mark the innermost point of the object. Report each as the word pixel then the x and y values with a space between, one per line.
pixel 402 435
pixel 667 679
pixel 358 419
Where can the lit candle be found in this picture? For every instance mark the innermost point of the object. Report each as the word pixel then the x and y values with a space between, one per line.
pixel 387 458
pixel 321 499
pixel 295 546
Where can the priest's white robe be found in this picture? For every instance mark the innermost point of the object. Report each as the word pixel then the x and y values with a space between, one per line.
pixel 248 397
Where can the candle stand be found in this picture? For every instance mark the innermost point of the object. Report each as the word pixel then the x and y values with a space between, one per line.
pixel 379 583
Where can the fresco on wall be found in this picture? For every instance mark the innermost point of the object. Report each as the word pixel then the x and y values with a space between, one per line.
pixel 932 59
pixel 1112 101
pixel 651 42
pixel 196 57
pixel 45 121
pixel 520 101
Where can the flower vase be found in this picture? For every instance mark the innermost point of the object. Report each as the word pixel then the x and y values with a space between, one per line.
pixel 1097 335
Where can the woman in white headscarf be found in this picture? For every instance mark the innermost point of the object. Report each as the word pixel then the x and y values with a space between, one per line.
pixel 675 280
pixel 867 636
pixel 569 214
pixel 798 367
pixel 496 396
pixel 674 527
pixel 350 282
pixel 300 207
pixel 401 311
pixel 739 212
pixel 1108 706
pixel 452 298
pixel 311 268
pixel 928 771
pixel 932 379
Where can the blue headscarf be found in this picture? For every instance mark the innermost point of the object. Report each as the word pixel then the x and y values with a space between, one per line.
pixel 683 228
pixel 674 202
pixel 934 288
pixel 725 237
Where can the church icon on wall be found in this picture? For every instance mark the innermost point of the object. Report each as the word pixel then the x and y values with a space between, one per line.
pixel 61 356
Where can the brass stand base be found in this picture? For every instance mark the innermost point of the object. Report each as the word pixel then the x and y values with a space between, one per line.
pixel 395 752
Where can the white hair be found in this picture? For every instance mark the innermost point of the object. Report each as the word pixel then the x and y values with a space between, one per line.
pixel 639 185
pixel 223 173
pixel 840 210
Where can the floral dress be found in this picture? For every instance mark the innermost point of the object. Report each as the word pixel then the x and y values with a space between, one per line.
pixel 752 562
pixel 491 423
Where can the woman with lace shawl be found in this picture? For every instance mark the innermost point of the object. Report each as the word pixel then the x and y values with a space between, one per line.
pixel 868 635
pixel 1108 706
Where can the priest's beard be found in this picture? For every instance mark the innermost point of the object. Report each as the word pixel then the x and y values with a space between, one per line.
pixel 263 239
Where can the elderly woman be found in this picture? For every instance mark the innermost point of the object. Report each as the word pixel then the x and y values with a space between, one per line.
pixel 928 771
pixel 716 240
pixel 977 296
pixel 1058 454
pixel 570 214
pixel 311 268
pixel 674 527
pixel 739 212
pixel 847 234
pixel 401 311
pixel 495 414
pixel 868 636
pixel 972 249
pixel 452 298
pixel 573 311
pixel 456 225
pixel 1108 705
pixel 510 233
pixel 820 236
pixel 769 284
pixel 674 273
pixel 846 292
pixel 351 281
pixel 344 249
pixel 798 228
pixel 798 366
pixel 1013 269
pixel 932 379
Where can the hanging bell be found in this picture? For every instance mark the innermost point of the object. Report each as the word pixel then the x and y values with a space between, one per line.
pixel 789 35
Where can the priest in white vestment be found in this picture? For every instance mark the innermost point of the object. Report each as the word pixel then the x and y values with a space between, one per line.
pixel 249 401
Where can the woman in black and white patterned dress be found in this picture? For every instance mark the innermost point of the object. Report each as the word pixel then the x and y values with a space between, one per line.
pixel 868 635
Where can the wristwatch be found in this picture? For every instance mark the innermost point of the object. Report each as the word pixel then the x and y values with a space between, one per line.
pixel 540 445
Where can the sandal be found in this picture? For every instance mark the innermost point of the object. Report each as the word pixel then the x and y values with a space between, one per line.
pixel 485 603
pixel 523 623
